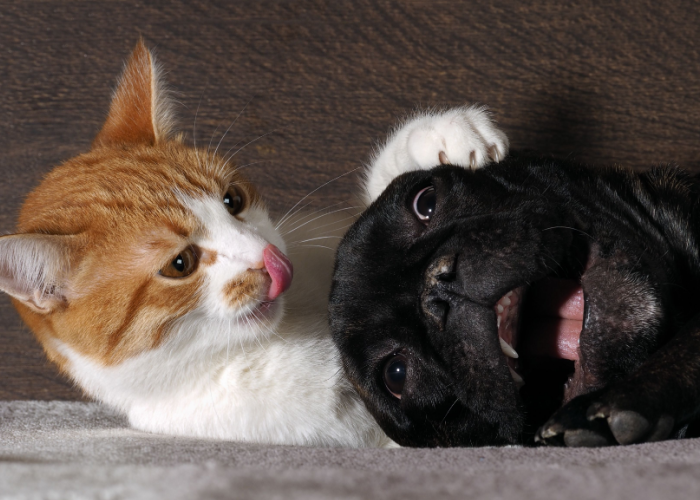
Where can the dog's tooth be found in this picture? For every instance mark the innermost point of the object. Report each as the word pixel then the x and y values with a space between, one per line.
pixel 506 301
pixel 508 349
pixel 499 308
pixel 509 293
pixel 549 432
pixel 519 382
pixel 498 321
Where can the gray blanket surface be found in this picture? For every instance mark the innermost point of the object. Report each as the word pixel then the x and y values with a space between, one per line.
pixel 58 450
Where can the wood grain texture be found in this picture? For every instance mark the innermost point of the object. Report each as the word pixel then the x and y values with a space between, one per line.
pixel 316 83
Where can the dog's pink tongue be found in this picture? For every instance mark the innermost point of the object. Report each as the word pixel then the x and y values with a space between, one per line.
pixel 280 270
pixel 558 307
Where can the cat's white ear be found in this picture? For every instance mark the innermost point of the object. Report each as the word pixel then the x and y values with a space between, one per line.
pixel 140 112
pixel 34 269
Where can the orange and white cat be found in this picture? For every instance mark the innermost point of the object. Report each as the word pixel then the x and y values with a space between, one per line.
pixel 152 275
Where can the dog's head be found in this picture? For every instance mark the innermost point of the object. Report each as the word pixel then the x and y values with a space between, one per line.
pixel 426 292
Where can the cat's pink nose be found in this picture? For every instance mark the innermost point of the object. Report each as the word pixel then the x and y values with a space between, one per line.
pixel 280 270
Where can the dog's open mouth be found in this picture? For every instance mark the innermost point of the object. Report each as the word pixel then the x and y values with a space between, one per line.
pixel 539 329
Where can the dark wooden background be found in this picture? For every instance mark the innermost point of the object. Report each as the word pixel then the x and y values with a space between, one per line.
pixel 602 81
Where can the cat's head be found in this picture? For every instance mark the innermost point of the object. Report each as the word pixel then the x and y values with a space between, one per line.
pixel 118 245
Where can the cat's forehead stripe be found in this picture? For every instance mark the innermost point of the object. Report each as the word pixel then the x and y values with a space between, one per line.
pixel 129 184
pixel 180 230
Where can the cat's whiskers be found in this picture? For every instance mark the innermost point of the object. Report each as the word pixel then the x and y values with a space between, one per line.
pixel 229 157
pixel 239 167
pixel 255 330
pixel 261 320
pixel 261 324
pixel 284 221
pixel 317 246
pixel 194 131
pixel 284 217
pixel 351 218
pixel 232 124
pixel 306 214
pixel 211 138
pixel 320 238
pixel 226 158
pixel 211 157
pixel 280 225
pixel 293 245
pixel 316 218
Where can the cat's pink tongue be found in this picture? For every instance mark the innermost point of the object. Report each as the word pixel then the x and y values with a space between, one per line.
pixel 280 270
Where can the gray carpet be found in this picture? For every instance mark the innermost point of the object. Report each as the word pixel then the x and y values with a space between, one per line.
pixel 62 450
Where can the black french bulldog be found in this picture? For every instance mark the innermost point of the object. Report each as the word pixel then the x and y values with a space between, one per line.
pixel 457 286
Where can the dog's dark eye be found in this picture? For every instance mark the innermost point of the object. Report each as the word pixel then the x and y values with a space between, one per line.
pixel 233 201
pixel 184 264
pixel 395 374
pixel 424 204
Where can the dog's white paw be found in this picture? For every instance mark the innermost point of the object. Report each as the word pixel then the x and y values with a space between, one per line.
pixel 464 137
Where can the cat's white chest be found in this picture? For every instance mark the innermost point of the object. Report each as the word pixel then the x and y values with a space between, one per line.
pixel 285 388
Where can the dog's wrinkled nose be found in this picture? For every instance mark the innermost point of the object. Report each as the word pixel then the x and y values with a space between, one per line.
pixel 433 303
pixel 441 269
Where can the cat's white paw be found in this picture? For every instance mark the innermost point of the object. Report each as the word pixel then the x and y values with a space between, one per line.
pixel 464 136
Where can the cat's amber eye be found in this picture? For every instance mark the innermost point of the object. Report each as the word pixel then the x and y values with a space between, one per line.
pixel 234 202
pixel 184 264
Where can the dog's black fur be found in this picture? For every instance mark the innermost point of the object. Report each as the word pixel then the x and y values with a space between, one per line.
pixel 427 291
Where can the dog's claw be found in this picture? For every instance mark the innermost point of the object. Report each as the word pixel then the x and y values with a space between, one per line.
pixel 549 432
pixel 549 437
pixel 596 411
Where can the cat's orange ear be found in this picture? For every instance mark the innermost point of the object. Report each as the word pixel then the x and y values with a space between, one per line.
pixel 34 269
pixel 140 112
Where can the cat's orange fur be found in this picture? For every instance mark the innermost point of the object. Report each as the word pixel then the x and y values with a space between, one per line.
pixel 152 275
pixel 111 287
